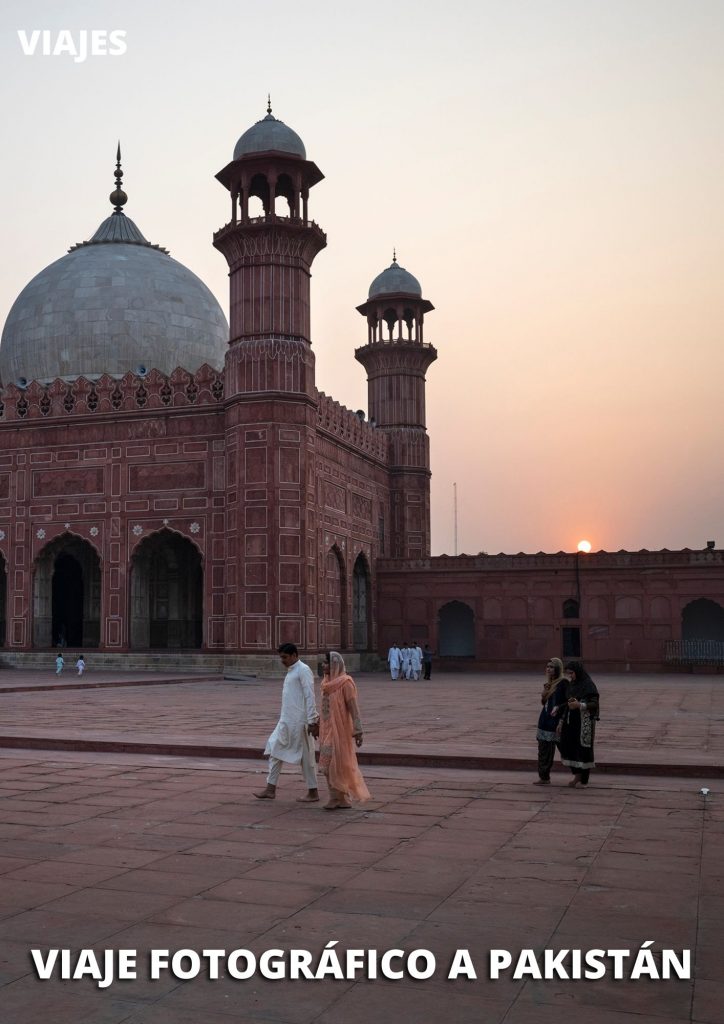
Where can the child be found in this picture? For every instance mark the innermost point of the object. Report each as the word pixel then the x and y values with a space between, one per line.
pixel 59 663
pixel 80 664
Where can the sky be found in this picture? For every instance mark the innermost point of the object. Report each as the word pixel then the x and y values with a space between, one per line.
pixel 551 171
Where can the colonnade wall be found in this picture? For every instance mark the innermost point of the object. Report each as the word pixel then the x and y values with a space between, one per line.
pixel 616 610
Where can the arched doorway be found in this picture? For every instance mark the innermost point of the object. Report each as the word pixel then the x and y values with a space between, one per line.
pixel 334 626
pixel 67 594
pixel 702 619
pixel 3 601
pixel 456 630
pixel 167 593
pixel 360 604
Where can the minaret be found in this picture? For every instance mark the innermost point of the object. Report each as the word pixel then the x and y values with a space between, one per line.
pixel 270 259
pixel 271 399
pixel 396 359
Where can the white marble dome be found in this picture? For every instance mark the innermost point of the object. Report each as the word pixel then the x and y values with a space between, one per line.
pixel 112 304
pixel 267 135
pixel 395 280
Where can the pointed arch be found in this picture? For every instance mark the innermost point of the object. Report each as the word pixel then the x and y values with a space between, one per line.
pixel 361 609
pixel 166 593
pixel 67 594
pixel 334 619
pixel 702 619
pixel 456 630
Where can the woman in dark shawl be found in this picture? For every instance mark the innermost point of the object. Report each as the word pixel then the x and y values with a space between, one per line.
pixel 578 715
pixel 552 695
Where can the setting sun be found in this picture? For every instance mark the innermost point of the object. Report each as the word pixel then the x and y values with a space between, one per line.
pixel 584 546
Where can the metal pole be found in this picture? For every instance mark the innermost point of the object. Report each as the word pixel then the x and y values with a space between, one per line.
pixel 455 512
pixel 578 599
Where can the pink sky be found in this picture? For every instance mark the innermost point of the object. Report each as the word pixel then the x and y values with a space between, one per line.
pixel 552 172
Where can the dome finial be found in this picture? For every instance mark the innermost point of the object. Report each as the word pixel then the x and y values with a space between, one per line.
pixel 394 254
pixel 118 197
pixel 268 103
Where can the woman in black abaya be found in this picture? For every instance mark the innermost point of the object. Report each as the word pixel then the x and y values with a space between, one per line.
pixel 578 717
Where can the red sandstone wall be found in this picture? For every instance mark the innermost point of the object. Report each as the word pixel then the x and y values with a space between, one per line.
pixel 631 604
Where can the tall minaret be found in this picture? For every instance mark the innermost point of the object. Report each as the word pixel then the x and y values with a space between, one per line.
pixel 270 259
pixel 396 359
pixel 271 399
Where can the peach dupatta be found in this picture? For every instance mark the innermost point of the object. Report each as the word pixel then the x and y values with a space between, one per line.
pixel 337 754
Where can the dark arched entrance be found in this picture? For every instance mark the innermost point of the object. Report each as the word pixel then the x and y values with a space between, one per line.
pixel 67 595
pixel 702 620
pixel 456 630
pixel 167 593
pixel 360 604
pixel 334 624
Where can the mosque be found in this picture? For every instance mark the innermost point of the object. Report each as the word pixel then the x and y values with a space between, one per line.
pixel 175 489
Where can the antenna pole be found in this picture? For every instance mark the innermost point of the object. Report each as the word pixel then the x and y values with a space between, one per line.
pixel 455 514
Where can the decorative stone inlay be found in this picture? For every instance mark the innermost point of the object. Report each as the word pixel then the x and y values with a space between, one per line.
pixel 94 531
pixel 166 522
pixel 137 530
pixel 40 534
pixel 2 535
pixel 195 528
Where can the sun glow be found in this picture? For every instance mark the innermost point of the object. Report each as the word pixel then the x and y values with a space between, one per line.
pixel 584 546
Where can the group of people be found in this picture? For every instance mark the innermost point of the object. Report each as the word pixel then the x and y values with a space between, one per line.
pixel 338 727
pixel 409 661
pixel 60 664
pixel 567 721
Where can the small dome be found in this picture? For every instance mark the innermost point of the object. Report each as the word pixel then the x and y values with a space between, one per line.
pixel 269 134
pixel 393 280
pixel 111 305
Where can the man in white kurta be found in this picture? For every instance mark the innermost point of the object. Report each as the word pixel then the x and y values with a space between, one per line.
pixel 394 658
pixel 415 661
pixel 292 742
pixel 405 662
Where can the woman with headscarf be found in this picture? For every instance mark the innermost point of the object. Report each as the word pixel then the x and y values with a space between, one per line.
pixel 547 721
pixel 340 730
pixel 578 713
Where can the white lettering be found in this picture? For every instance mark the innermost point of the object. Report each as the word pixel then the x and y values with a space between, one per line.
pixel 500 959
pixel 64 44
pixel 29 46
pixel 177 967
pixel 117 39
pixel 462 965
pixel 682 968
pixel 159 962
pixel 44 968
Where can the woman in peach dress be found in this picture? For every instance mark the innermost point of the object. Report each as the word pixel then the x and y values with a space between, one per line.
pixel 340 731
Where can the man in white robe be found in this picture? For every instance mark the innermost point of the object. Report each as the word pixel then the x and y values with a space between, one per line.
pixel 406 661
pixel 292 741
pixel 415 661
pixel 394 659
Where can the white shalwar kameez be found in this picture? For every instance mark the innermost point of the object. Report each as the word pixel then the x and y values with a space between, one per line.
pixel 405 662
pixel 415 662
pixel 290 742
pixel 394 658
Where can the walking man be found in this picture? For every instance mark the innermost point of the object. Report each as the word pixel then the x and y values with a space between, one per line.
pixel 394 658
pixel 427 661
pixel 292 740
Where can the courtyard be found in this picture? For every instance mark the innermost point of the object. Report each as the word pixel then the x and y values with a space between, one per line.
pixel 127 823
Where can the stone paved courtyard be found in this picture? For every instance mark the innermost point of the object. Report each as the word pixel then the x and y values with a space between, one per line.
pixel 117 850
